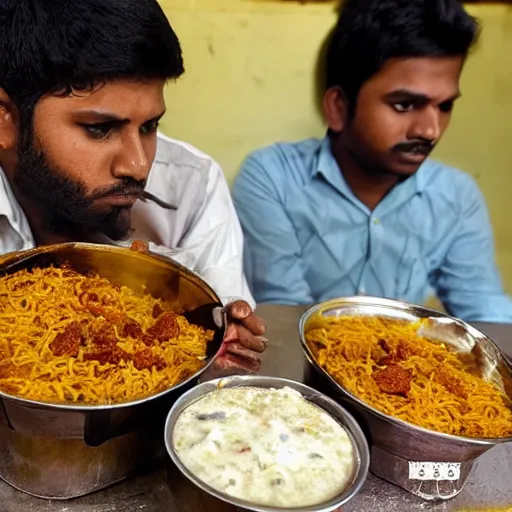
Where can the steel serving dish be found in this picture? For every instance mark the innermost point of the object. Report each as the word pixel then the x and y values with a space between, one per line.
pixel 66 451
pixel 431 465
pixel 361 453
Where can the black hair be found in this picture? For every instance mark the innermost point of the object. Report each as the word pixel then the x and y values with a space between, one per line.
pixel 60 46
pixel 370 32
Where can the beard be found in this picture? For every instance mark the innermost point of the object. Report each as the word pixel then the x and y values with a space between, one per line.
pixel 66 207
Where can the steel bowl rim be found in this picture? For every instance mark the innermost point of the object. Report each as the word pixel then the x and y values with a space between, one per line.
pixel 396 305
pixel 356 435
pixel 107 407
pixel 108 248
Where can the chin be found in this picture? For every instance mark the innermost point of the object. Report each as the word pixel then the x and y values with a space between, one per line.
pixel 402 173
pixel 404 170
pixel 117 226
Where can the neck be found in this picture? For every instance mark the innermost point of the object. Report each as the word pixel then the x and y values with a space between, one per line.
pixel 369 186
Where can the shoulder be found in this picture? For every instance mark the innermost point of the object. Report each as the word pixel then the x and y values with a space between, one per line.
pixel 175 153
pixel 279 164
pixel 283 157
pixel 179 163
pixel 182 175
pixel 450 183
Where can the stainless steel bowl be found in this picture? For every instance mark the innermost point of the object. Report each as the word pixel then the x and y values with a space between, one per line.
pixel 361 453
pixel 431 465
pixel 64 451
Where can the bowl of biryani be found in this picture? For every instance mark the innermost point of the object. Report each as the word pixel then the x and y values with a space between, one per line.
pixel 431 392
pixel 96 343
pixel 265 444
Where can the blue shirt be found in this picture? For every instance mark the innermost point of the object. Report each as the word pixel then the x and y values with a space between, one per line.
pixel 308 238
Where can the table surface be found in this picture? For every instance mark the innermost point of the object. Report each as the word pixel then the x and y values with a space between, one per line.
pixel 163 489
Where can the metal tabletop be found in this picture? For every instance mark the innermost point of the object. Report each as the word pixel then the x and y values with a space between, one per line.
pixel 161 488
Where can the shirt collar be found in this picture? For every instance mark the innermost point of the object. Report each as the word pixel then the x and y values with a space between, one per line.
pixel 7 199
pixel 11 210
pixel 328 168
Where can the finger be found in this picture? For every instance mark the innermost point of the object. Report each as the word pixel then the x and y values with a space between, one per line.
pixel 238 333
pixel 255 324
pixel 239 350
pixel 231 334
pixel 238 310
pixel 139 246
pixel 235 364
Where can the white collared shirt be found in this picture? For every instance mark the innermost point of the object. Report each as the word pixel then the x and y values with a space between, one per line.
pixel 203 233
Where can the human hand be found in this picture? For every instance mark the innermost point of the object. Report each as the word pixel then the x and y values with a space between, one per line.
pixel 243 341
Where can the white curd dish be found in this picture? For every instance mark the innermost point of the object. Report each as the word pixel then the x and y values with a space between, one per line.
pixel 265 444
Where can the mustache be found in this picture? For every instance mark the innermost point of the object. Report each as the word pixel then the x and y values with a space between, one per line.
pixel 131 187
pixel 423 147
pixel 125 187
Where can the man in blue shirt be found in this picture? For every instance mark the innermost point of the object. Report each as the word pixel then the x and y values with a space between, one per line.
pixel 365 211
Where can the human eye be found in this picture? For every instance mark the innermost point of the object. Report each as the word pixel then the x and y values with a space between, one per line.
pixel 403 106
pixel 150 127
pixel 98 131
pixel 446 106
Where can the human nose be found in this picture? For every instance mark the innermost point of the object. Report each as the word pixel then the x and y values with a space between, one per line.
pixel 426 125
pixel 133 160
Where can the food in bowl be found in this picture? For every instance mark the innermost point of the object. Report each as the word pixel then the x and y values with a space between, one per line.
pixel 267 446
pixel 389 366
pixel 79 339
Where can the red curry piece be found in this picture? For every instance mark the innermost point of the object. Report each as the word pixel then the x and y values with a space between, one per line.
pixel 394 380
pixel 67 343
pixel 165 328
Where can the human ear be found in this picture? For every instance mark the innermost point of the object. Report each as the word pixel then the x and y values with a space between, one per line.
pixel 335 109
pixel 8 122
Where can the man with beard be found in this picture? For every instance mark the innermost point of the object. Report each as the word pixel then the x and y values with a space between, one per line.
pixel 81 94
pixel 364 211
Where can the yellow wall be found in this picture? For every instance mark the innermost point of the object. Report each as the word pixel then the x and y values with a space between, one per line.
pixel 250 81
